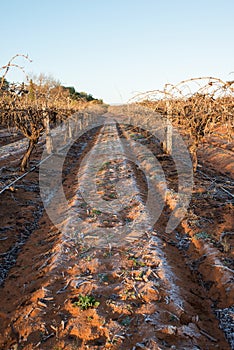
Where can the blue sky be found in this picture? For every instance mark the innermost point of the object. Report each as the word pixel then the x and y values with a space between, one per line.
pixel 114 49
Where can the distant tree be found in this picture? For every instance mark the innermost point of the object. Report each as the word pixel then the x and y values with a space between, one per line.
pixel 81 95
pixel 4 84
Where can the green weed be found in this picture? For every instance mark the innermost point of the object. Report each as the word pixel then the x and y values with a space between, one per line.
pixel 85 302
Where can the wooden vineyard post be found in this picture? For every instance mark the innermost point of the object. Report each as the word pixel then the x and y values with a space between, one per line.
pixel 49 140
pixel 68 131
pixel 167 143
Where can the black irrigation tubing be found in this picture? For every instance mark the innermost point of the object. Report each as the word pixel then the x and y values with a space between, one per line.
pixel 228 151
pixel 32 169
pixel 214 180
pixel 22 176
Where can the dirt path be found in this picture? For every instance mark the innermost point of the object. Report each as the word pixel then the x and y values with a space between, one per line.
pixel 144 288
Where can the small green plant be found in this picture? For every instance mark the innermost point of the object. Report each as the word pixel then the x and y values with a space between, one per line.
pixel 105 165
pixel 96 212
pixel 128 294
pixel 173 318
pixel 89 318
pixel 89 257
pixel 129 308
pixel 136 262
pixel 202 235
pixel 112 195
pixel 103 277
pixel 107 254
pixel 83 205
pixel 85 302
pixel 114 340
pixel 226 245
pixel 126 321
pixel 139 276
pixel 136 136
pixel 127 220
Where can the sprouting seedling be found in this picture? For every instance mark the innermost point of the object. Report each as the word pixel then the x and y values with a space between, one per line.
pixel 202 235
pixel 85 302
pixel 96 212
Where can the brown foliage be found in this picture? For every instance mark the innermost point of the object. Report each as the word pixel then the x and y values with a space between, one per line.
pixel 198 105
pixel 25 106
